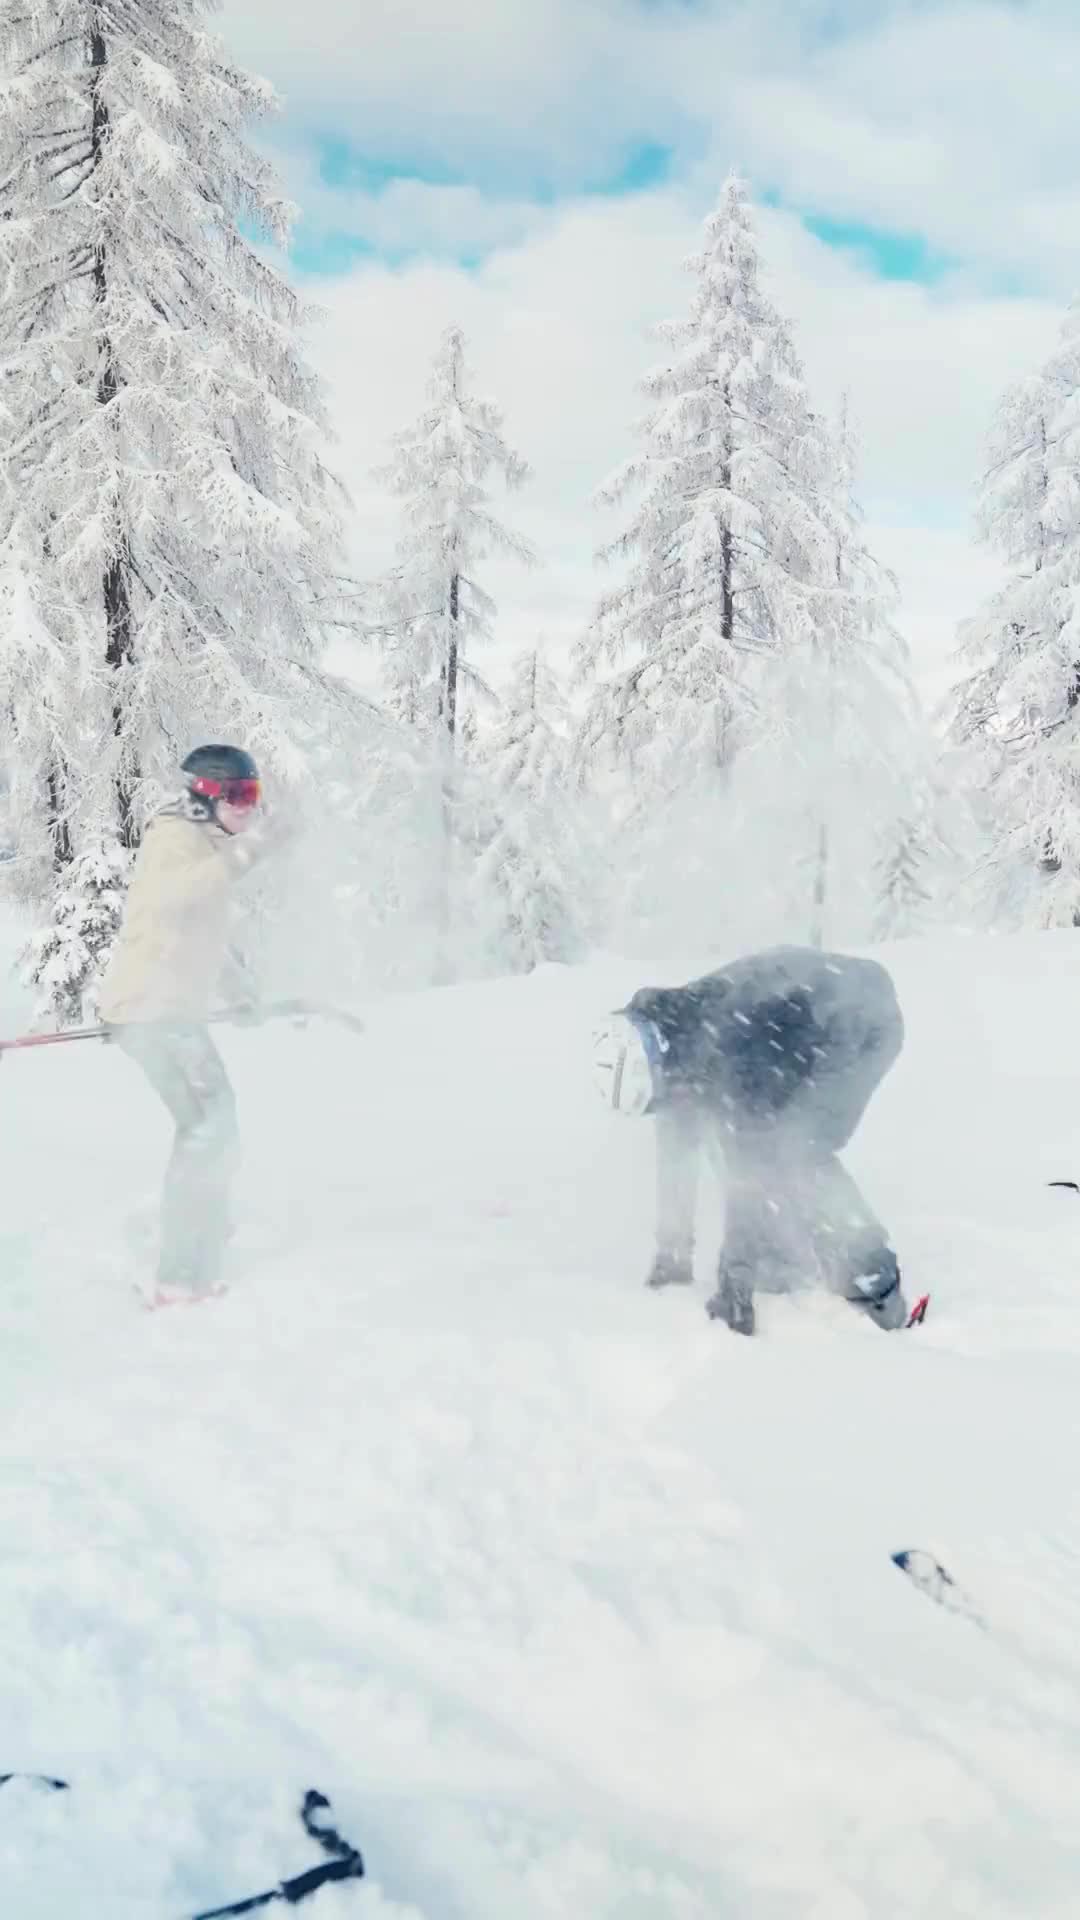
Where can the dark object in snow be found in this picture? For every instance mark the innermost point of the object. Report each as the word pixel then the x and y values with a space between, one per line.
pixel 38 1779
pixel 733 1304
pixel 345 1862
pixel 766 1066
pixel 931 1578
pixel 1071 1184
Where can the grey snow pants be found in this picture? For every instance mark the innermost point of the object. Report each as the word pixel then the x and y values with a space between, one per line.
pixel 793 1216
pixel 183 1065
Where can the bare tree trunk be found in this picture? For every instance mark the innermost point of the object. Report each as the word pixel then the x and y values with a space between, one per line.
pixel 727 588
pixel 116 584
pixel 448 748
pixel 450 683
pixel 727 602
pixel 59 826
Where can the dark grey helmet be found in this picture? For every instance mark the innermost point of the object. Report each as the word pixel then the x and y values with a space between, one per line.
pixel 218 764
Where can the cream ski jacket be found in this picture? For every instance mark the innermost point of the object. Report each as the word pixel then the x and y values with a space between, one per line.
pixel 173 946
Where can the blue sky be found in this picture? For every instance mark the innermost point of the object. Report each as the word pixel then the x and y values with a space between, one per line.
pixel 322 247
pixel 326 249
pixel 537 169
pixel 922 137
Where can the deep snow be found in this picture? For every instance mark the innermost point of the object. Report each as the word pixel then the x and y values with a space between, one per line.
pixel 575 1603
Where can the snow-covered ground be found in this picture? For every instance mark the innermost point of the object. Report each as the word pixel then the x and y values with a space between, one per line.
pixel 576 1604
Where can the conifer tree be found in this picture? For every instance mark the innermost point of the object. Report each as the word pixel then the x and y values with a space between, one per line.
pixel 1019 706
pixel 169 532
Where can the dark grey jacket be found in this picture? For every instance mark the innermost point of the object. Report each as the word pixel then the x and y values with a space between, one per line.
pixel 792 1039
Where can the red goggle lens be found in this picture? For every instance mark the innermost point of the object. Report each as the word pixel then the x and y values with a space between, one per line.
pixel 235 793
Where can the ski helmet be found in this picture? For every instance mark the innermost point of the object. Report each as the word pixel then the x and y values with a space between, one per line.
pixel 628 1062
pixel 222 773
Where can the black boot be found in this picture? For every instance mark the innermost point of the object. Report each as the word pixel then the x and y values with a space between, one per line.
pixel 889 1311
pixel 879 1295
pixel 733 1303
pixel 671 1270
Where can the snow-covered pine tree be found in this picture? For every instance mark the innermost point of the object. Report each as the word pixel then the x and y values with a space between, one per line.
pixel 535 866
pixel 726 541
pixel 725 554
pixel 1020 706
pixel 902 895
pixel 843 743
pixel 66 959
pixel 435 610
pixel 169 534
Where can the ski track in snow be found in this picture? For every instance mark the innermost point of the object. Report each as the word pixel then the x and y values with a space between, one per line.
pixel 572 1602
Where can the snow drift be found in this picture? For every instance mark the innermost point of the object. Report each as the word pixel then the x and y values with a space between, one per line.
pixel 572 1602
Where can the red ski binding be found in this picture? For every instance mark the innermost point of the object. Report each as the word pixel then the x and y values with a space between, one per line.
pixel 918 1312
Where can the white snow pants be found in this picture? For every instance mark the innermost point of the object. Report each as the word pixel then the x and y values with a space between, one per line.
pixel 183 1065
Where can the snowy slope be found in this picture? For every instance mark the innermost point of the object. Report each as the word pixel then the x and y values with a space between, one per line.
pixel 575 1604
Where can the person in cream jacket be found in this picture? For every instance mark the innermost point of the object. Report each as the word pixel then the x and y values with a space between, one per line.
pixel 163 980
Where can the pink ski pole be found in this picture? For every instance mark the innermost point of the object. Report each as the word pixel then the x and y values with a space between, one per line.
pixel 277 1010
pixel 53 1039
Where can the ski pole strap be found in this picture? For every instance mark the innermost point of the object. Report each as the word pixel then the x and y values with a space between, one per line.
pixel 345 1862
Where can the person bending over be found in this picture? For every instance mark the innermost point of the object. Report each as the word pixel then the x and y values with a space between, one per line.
pixel 766 1068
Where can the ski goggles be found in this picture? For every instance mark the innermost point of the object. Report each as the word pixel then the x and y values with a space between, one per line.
pixel 235 793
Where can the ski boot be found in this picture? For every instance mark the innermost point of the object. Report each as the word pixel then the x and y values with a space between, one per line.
pixel 879 1295
pixel 733 1303
pixel 671 1269
pixel 166 1296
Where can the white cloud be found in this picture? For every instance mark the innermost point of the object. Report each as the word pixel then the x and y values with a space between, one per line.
pixel 953 120
pixel 956 121
pixel 924 366
pixel 406 216
pixel 557 331
pixel 563 85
